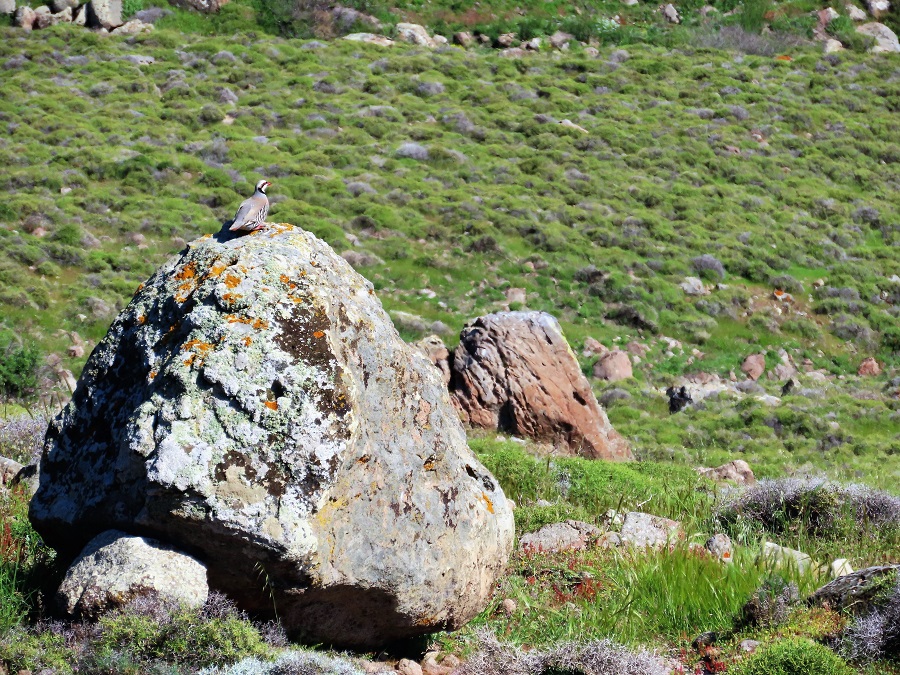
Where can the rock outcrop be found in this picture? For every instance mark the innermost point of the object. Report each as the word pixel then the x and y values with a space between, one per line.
pixel 205 6
pixel 856 591
pixel 514 371
pixel 254 407
pixel 737 471
pixel 115 568
pixel 104 14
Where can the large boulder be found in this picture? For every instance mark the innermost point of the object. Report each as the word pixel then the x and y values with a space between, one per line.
pixel 856 591
pixel 254 407
pixel 7 6
pixel 115 568
pixel 613 366
pixel 514 371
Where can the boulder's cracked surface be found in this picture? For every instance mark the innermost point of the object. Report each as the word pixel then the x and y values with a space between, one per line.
pixel 514 371
pixel 255 407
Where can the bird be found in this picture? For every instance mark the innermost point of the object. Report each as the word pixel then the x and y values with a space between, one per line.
pixel 251 215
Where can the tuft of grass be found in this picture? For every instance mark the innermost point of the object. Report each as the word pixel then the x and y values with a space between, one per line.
pixel 793 657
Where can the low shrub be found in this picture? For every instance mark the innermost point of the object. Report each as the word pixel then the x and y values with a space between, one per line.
pixel 792 657
pixel 876 635
pixel 601 657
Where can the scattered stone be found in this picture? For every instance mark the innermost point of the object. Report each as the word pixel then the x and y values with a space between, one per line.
pixel 407 667
pixel 75 351
pixel 406 321
pixel 515 295
pixel 840 567
pixel 133 27
pixel 869 368
pixel 115 568
pixel 855 591
pixel 855 13
pixel 783 371
pixel 152 14
pixel 644 529
pixel 7 6
pixel 827 15
pixel 25 17
pixel 56 6
pixel 283 411
pixel 592 52
pixel 706 10
pixel 464 39
pixel 754 366
pixel 613 366
pixel 568 124
pixel 507 40
pixel 593 347
pixel 671 14
pixel 885 38
pixel 636 349
pixel 572 535
pixel 780 555
pixel 693 286
pixel 104 14
pixel 611 396
pixel 370 38
pixel 610 540
pixel 358 259
pixel 436 352
pixel 560 39
pixel 414 34
pixel 736 471
pixel 508 606
pixel 513 53
pixel 9 469
pixel 749 646
pixel 514 371
pixel 720 546
pixel 878 8
pixel 532 45
pixel 205 6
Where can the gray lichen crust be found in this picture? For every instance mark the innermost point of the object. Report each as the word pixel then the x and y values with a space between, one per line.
pixel 255 406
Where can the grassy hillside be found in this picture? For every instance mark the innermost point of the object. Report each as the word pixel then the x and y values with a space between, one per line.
pixel 596 185
pixel 451 172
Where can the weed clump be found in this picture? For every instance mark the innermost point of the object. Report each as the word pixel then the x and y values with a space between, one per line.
pixel 601 657
pixel 22 437
pixel 770 604
pixel 793 657
pixel 877 634
pixel 822 507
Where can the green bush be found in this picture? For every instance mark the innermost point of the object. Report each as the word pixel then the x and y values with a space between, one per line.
pixel 18 368
pixel 793 657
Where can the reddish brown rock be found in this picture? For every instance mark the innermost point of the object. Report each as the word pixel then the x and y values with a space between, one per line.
pixel 613 366
pixel 514 371
pixel 754 366
pixel 593 347
pixel 869 368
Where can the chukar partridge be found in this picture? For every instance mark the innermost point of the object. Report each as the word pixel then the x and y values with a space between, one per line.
pixel 253 211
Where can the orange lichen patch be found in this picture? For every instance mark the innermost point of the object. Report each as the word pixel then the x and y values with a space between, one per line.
pixel 198 347
pixel 429 466
pixel 784 57
pixel 189 361
pixel 231 297
pixel 189 271
pixel 216 270
pixel 272 405
pixel 232 280
pixel 141 319
pixel 487 500
pixel 318 334
pixel 139 289
pixel 152 375
pixel 247 341
pixel 258 324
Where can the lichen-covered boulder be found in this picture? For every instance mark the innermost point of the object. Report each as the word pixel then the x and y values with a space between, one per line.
pixel 115 568
pixel 514 371
pixel 255 407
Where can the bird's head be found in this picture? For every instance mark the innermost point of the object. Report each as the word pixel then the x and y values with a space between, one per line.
pixel 263 185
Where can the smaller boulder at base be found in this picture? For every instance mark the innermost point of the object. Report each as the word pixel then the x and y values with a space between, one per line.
pixel 515 372
pixel 115 568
